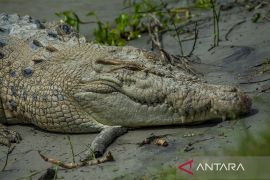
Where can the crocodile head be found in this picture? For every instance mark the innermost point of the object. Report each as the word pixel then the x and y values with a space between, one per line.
pixel 134 97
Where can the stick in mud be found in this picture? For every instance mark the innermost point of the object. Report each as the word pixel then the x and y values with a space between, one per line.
pixel 108 157
pixel 232 28
pixel 10 149
pixel 195 39
pixel 253 82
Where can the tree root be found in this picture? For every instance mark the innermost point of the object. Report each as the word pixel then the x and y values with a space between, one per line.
pixel 108 157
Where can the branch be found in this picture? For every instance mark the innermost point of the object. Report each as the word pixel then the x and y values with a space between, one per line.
pixel 72 150
pixel 153 29
pixel 232 28
pixel 195 40
pixel 108 157
pixel 10 149
pixel 253 82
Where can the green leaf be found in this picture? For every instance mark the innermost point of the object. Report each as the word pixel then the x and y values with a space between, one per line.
pixel 92 13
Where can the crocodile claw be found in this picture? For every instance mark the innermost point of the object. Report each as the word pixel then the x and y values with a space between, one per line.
pixel 8 136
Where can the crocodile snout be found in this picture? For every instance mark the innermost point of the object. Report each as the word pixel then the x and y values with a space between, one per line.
pixel 230 102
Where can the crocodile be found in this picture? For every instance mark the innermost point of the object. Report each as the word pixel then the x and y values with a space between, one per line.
pixel 52 78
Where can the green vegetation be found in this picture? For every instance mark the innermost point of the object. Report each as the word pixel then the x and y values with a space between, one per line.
pixel 70 18
pixel 129 26
pixel 126 27
pixel 203 4
pixel 132 24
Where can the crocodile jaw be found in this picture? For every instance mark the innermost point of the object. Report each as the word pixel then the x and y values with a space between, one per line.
pixel 156 101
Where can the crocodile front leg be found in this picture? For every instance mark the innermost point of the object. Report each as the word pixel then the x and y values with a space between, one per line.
pixel 104 139
pixel 8 136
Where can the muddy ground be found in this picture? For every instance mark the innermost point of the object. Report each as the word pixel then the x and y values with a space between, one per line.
pixel 237 61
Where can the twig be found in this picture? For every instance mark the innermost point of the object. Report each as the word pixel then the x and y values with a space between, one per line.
pixel 216 16
pixel 232 28
pixel 108 157
pixel 190 147
pixel 153 29
pixel 156 39
pixel 188 39
pixel 253 82
pixel 214 21
pixel 196 37
pixel 267 62
pixel 212 47
pixel 217 19
pixel 10 149
pixel 155 139
pixel 72 150
pixel 200 21
pixel 174 26
pixel 178 61
pixel 78 154
pixel 200 140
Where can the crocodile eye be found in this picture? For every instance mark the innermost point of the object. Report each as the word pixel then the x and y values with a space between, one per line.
pixel 2 55
pixel 27 72
pixel 66 29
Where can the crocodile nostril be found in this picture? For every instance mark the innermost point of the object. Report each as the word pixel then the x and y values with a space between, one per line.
pixel 66 29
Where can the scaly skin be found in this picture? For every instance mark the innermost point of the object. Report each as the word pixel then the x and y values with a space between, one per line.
pixel 81 88
pixel 88 87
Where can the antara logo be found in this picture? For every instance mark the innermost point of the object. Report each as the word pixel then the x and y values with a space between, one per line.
pixel 214 166
pixel 181 167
